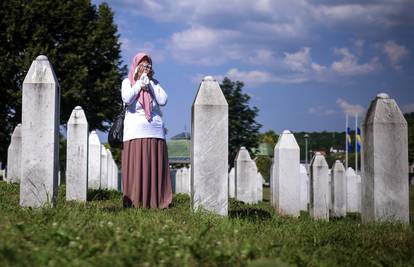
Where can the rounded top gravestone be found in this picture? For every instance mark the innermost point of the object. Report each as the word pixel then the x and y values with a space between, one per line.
pixel 383 96
pixel 338 166
pixel 243 155
pixel 42 57
pixel 286 141
pixel 208 78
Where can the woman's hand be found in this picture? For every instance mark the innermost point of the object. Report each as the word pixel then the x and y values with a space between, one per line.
pixel 144 80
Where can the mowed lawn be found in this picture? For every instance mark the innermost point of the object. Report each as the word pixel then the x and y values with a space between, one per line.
pixel 102 233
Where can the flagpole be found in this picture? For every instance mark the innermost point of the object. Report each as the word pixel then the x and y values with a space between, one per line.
pixel 346 141
pixel 356 143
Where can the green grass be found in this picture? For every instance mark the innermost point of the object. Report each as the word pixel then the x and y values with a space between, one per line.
pixel 102 233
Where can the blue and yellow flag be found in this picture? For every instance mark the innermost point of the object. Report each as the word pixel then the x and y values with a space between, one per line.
pixel 348 139
pixel 358 140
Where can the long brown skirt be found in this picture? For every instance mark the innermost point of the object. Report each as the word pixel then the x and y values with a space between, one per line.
pixel 146 180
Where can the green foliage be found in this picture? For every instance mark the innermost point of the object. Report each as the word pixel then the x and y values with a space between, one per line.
pixel 82 44
pixel 62 158
pixel 263 164
pixel 243 128
pixel 320 141
pixel 101 232
pixel 116 153
pixel 269 137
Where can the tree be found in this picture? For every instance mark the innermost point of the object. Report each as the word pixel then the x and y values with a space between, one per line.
pixel 264 162
pixel 269 137
pixel 82 44
pixel 243 128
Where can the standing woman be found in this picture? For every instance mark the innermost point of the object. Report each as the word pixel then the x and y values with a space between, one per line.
pixel 145 169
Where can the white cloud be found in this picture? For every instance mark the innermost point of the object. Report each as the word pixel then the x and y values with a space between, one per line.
pixel 256 78
pixel 204 46
pixel 263 33
pixel 299 61
pixel 129 49
pixel 395 53
pixel 364 14
pixel 349 65
pixel 359 46
pixel 321 111
pixel 263 57
pixel 350 109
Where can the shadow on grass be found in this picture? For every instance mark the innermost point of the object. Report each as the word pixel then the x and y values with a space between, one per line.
pixel 101 194
pixel 180 200
pixel 241 210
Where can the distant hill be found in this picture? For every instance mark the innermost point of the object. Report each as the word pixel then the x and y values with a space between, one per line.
pixel 325 140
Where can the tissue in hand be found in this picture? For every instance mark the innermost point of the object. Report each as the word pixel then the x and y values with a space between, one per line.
pixel 144 78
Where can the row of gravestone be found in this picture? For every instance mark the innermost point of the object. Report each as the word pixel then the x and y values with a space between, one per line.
pixel 384 178
pixel 327 190
pixel 247 177
pixel 88 163
pixel 384 186
pixel 183 181
pixel 245 181
pixel 33 158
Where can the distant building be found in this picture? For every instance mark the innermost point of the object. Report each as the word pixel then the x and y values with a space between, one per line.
pixel 334 150
pixel 264 149
pixel 323 152
pixel 179 149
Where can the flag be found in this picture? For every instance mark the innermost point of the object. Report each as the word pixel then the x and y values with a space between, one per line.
pixel 358 140
pixel 348 139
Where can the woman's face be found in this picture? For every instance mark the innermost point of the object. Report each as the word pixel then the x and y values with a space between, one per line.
pixel 144 67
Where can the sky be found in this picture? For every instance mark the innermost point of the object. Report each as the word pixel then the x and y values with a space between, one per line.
pixel 304 63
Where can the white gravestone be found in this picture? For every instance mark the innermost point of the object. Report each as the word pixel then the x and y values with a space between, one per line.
pixel 245 177
pixel 330 198
pixel 94 161
pixel 179 181
pixel 232 183
pixel 319 185
pixel 40 135
pixel 352 197
pixel 385 189
pixel 338 189
pixel 271 183
pixel 186 181
pixel 286 177
pixel 259 187
pixel 304 189
pixel 209 148
pixel 14 156
pixel 104 168
pixel 110 173
pixel 253 175
pixel 359 192
pixel 114 184
pixel 77 156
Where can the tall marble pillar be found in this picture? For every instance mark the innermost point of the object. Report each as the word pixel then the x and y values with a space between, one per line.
pixel 209 148
pixel 40 135
pixel 385 189
pixel 77 156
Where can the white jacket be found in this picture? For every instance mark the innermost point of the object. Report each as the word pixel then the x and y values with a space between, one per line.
pixel 135 123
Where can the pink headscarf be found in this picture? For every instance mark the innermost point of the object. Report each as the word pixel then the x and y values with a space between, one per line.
pixel 144 96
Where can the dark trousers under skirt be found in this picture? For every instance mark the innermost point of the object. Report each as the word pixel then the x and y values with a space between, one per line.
pixel 146 179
